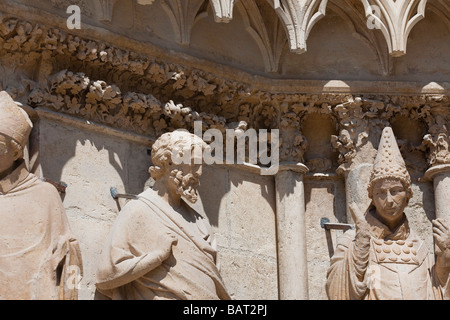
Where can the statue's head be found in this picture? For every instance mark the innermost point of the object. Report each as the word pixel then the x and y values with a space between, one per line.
pixel 390 183
pixel 177 156
pixel 15 128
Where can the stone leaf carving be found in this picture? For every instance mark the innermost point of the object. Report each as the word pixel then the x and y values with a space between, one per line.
pixel 437 141
pixel 76 94
pixel 354 132
pixel 395 19
pixel 196 94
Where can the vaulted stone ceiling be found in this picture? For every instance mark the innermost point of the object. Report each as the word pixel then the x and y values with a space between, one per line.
pixel 280 25
pixel 395 18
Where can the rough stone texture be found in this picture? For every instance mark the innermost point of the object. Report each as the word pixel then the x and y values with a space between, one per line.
pixel 104 92
pixel 322 201
pixel 244 227
pixel 90 164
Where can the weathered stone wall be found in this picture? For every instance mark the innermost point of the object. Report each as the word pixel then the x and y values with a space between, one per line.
pixel 100 96
pixel 90 162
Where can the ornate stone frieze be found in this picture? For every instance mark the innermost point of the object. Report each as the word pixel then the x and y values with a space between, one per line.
pixel 75 94
pixel 437 141
pixel 363 118
pixel 139 93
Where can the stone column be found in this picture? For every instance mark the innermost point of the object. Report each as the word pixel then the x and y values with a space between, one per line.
pixel 291 232
pixel 440 175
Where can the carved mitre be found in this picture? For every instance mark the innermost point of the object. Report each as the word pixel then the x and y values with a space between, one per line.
pixel 14 121
pixel 389 162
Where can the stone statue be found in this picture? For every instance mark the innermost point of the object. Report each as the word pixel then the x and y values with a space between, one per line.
pixel 39 257
pixel 159 247
pixel 384 259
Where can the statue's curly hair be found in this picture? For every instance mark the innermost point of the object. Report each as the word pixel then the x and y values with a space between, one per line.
pixel 166 144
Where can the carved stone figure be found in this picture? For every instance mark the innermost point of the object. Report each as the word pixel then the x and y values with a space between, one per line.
pixel 39 256
pixel 159 247
pixel 384 258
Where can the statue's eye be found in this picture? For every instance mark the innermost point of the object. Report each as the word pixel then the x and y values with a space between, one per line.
pixel 380 193
pixel 396 191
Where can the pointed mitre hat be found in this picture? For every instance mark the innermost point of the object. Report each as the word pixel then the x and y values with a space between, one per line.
pixel 14 121
pixel 389 162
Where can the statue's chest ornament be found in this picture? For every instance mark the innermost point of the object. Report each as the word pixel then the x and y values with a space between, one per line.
pixel 397 251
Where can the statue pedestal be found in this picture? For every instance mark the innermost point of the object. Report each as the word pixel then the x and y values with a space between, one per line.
pixel 291 232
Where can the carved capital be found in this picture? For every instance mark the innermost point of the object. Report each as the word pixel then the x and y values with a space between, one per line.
pixel 292 142
pixel 437 140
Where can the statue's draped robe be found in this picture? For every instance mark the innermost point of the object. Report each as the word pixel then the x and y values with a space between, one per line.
pixel 190 272
pixel 399 267
pixel 39 257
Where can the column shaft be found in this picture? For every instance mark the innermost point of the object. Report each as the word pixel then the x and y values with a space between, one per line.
pixel 291 236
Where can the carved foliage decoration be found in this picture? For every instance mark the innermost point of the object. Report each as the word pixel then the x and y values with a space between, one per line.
pixel 174 96
pixel 76 94
pixel 362 118
pixel 437 141
pixel 395 19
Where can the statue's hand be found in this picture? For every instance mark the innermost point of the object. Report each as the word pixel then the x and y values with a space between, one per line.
pixel 165 243
pixel 362 227
pixel 441 235
pixel 361 246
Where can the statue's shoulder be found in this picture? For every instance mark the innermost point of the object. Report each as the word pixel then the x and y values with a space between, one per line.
pixel 346 238
pixel 41 188
pixel 142 204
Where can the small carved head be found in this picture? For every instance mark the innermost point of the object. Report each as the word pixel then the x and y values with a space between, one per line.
pixel 390 197
pixel 390 184
pixel 15 128
pixel 177 155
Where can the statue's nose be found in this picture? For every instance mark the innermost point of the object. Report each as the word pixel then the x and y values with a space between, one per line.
pixel 389 199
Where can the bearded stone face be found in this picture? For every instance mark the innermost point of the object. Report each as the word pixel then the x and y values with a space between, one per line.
pixel 186 184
